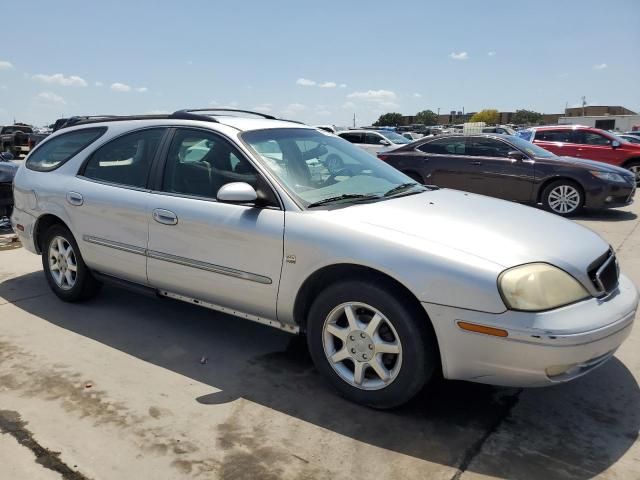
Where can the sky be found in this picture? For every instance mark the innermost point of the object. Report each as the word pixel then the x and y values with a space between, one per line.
pixel 319 62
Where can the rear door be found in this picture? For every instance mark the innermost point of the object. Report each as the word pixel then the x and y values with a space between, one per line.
pixel 558 141
pixel 228 255
pixel 497 175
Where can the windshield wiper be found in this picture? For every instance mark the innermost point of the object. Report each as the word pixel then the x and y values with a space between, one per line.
pixel 346 196
pixel 401 188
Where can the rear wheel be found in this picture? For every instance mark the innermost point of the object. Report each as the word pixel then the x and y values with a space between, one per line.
pixel 64 268
pixel 563 197
pixel 372 346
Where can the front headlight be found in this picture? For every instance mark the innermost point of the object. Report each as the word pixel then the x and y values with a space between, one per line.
pixel 539 286
pixel 608 176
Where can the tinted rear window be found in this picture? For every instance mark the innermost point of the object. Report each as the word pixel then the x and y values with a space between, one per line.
pixel 54 152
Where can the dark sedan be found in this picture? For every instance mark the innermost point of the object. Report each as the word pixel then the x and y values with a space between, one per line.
pixel 511 168
pixel 7 172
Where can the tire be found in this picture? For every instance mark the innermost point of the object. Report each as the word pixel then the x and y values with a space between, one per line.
pixel 80 284
pixel 402 329
pixel 563 197
pixel 634 166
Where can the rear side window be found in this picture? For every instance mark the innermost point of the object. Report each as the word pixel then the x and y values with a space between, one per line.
pixel 352 137
pixel 125 160
pixel 445 146
pixel 54 152
pixel 554 135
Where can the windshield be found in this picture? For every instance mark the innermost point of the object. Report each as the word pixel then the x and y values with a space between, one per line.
pixel 315 166
pixel 393 137
pixel 531 148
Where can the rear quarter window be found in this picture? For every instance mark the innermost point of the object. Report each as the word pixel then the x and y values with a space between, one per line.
pixel 53 153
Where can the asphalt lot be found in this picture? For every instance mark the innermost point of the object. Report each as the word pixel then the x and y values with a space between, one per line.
pixel 128 386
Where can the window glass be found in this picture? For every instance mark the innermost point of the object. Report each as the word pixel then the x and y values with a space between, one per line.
pixel 445 146
pixel 125 160
pixel 372 139
pixel 199 163
pixel 54 152
pixel 488 147
pixel 554 135
pixel 393 137
pixel 352 137
pixel 591 138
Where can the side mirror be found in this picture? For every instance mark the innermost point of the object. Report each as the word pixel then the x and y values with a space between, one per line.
pixel 6 155
pixel 516 155
pixel 615 144
pixel 385 142
pixel 237 192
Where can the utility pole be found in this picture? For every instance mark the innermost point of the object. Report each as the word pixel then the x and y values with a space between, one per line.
pixel 354 120
pixel 584 103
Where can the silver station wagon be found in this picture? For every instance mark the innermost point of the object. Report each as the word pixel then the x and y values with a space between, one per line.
pixel 286 225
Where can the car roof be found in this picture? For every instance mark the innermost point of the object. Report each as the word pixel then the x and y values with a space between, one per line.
pixel 561 127
pixel 360 130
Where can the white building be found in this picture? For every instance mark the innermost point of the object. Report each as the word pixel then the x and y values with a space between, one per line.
pixel 623 123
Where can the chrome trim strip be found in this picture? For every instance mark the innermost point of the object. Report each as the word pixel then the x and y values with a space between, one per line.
pixel 209 267
pixel 117 245
pixel 212 306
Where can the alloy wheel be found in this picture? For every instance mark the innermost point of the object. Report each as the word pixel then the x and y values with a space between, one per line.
pixel 564 199
pixel 635 169
pixel 362 346
pixel 62 263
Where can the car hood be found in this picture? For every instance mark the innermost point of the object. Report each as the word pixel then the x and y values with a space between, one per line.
pixel 504 233
pixel 8 170
pixel 584 163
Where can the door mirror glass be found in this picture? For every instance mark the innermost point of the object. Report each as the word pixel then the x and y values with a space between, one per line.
pixel 615 144
pixel 384 142
pixel 237 192
pixel 516 155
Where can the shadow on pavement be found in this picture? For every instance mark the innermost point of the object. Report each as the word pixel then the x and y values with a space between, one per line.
pixel 592 421
pixel 606 215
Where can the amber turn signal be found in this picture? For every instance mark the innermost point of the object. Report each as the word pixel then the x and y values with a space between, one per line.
pixel 473 327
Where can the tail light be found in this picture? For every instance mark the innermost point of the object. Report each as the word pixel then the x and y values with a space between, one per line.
pixel 383 157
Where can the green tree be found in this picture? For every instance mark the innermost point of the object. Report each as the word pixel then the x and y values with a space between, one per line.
pixel 427 117
pixel 487 116
pixel 392 119
pixel 526 117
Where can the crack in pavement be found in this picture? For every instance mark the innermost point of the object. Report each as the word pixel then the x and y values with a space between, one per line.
pixel 473 451
pixel 12 424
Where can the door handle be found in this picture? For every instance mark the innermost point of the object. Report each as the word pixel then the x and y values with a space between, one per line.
pixel 75 198
pixel 166 217
pixel 475 162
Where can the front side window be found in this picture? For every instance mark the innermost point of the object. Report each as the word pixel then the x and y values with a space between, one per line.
pixel 373 139
pixel 314 167
pixel 488 147
pixel 125 160
pixel 591 138
pixel 55 151
pixel 445 146
pixel 563 135
pixel 394 137
pixel 200 162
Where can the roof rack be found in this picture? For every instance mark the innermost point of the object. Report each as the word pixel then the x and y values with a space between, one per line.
pixel 259 114
pixel 179 115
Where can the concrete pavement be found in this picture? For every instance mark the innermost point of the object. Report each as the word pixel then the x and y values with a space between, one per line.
pixel 115 388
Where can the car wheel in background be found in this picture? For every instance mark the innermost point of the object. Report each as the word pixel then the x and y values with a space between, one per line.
pixel 373 346
pixel 563 197
pixel 66 272
pixel 634 167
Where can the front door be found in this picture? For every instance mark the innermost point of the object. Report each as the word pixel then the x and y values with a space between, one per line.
pixel 229 255
pixel 595 146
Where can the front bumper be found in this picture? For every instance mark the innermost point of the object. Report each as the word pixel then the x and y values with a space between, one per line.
pixel 541 348
pixel 610 195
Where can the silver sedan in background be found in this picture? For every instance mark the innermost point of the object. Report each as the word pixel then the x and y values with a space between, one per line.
pixel 283 224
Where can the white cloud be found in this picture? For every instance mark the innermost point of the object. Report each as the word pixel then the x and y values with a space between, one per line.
pixel 141 89
pixel 348 105
pixel 343 85
pixel 328 85
pixel 459 56
pixel 600 66
pixel 120 87
pixel 60 79
pixel 305 82
pixel 417 95
pixel 491 54
pixel 4 65
pixel 99 84
pixel 50 98
pixel 374 95
pixel 296 107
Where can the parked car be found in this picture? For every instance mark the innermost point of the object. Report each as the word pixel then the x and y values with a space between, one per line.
pixel 390 280
pixel 374 141
pixel 502 129
pixel 15 139
pixel 411 136
pixel 586 142
pixel 629 138
pixel 7 172
pixel 633 132
pixel 511 168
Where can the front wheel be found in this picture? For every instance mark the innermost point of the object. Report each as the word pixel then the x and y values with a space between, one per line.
pixel 634 167
pixel 563 198
pixel 371 344
pixel 65 270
